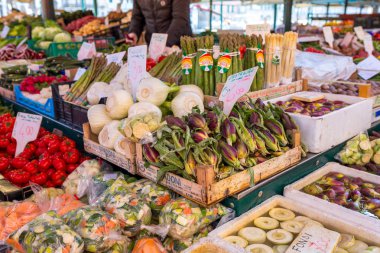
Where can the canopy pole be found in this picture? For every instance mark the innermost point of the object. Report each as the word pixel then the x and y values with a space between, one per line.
pixel 345 6
pixel 95 8
pixel 327 9
pixel 210 20
pixel 275 17
pixel 288 4
pixel 48 9
pixel 221 14
pixel 83 5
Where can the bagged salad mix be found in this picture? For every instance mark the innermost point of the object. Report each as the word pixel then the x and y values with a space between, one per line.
pixel 99 230
pixel 47 233
pixel 155 195
pixel 186 218
pixel 78 181
pixel 100 182
pixel 128 208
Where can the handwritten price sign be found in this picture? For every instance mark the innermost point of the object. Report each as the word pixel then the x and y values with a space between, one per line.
pixel 87 50
pixel 157 45
pixel 26 129
pixel 136 66
pixel 236 86
pixel 258 29
pixel 116 58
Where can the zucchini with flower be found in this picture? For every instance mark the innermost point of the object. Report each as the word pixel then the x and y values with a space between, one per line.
pixel 99 230
pixel 185 218
pixel 46 233
pixel 127 207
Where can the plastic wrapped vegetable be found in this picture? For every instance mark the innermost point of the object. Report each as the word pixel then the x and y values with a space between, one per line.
pixel 175 246
pixel 99 230
pixel 62 204
pixel 140 126
pixel 15 215
pixel 102 181
pixel 130 210
pixel 148 245
pixel 155 195
pixel 78 181
pixel 46 233
pixel 186 218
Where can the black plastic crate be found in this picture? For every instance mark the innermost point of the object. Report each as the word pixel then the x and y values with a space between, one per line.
pixel 21 194
pixel 70 114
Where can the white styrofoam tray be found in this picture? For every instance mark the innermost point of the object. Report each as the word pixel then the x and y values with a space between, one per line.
pixel 294 192
pixel 331 222
pixel 321 133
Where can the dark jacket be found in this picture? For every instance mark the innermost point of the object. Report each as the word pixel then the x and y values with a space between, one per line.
pixel 161 16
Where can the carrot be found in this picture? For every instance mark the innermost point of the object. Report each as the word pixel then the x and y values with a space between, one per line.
pixel 187 210
pixel 66 249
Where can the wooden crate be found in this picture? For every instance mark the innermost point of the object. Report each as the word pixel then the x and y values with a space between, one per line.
pixel 332 222
pixel 294 192
pixel 91 145
pixel 264 94
pixel 206 191
pixel 7 94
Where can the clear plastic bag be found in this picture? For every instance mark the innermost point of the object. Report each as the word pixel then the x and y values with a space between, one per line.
pixel 357 151
pixel 99 230
pixel 176 246
pixel 319 68
pixel 128 208
pixel 187 218
pixel 155 195
pixel 46 233
pixel 148 245
pixel 100 182
pixel 78 181
pixel 15 215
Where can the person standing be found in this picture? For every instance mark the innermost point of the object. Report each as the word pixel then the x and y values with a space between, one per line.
pixel 160 16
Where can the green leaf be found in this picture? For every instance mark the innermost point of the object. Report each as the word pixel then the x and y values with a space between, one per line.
pixel 163 170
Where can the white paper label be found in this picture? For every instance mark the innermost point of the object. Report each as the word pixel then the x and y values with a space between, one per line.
pixel 136 66
pixel 236 86
pixel 347 40
pixel 368 44
pixel 34 67
pixel 5 31
pixel 116 58
pixel 359 32
pixel 21 43
pixel 329 36
pixel 258 29
pixel 157 45
pixel 369 67
pixel 79 73
pixel 26 129
pixel 86 51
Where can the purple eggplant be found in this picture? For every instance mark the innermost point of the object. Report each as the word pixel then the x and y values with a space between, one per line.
pixel 212 120
pixel 197 121
pixel 151 154
pixel 229 154
pixel 199 136
pixel 228 131
pixel 175 122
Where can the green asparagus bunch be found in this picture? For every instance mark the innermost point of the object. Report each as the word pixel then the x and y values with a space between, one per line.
pixel 189 51
pixel 205 75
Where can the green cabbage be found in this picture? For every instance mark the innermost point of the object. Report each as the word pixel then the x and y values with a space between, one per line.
pixel 62 37
pixel 51 32
pixel 36 32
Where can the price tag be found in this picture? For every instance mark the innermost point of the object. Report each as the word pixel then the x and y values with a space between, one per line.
pixel 79 73
pixel 117 58
pixel 26 129
pixel 368 44
pixel 136 66
pixel 34 67
pixel 369 67
pixel 359 32
pixel 258 29
pixel 86 51
pixel 5 31
pixel 157 45
pixel 329 36
pixel 308 96
pixel 314 239
pixel 347 40
pixel 236 86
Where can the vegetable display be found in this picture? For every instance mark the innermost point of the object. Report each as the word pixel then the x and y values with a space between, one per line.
pixel 127 207
pixel 254 57
pixel 352 193
pixel 204 64
pixel 313 109
pixel 46 233
pixel 252 134
pixel 46 161
pixel 344 88
pixel 276 230
pixel 99 230
pixel 186 218
pixel 11 52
